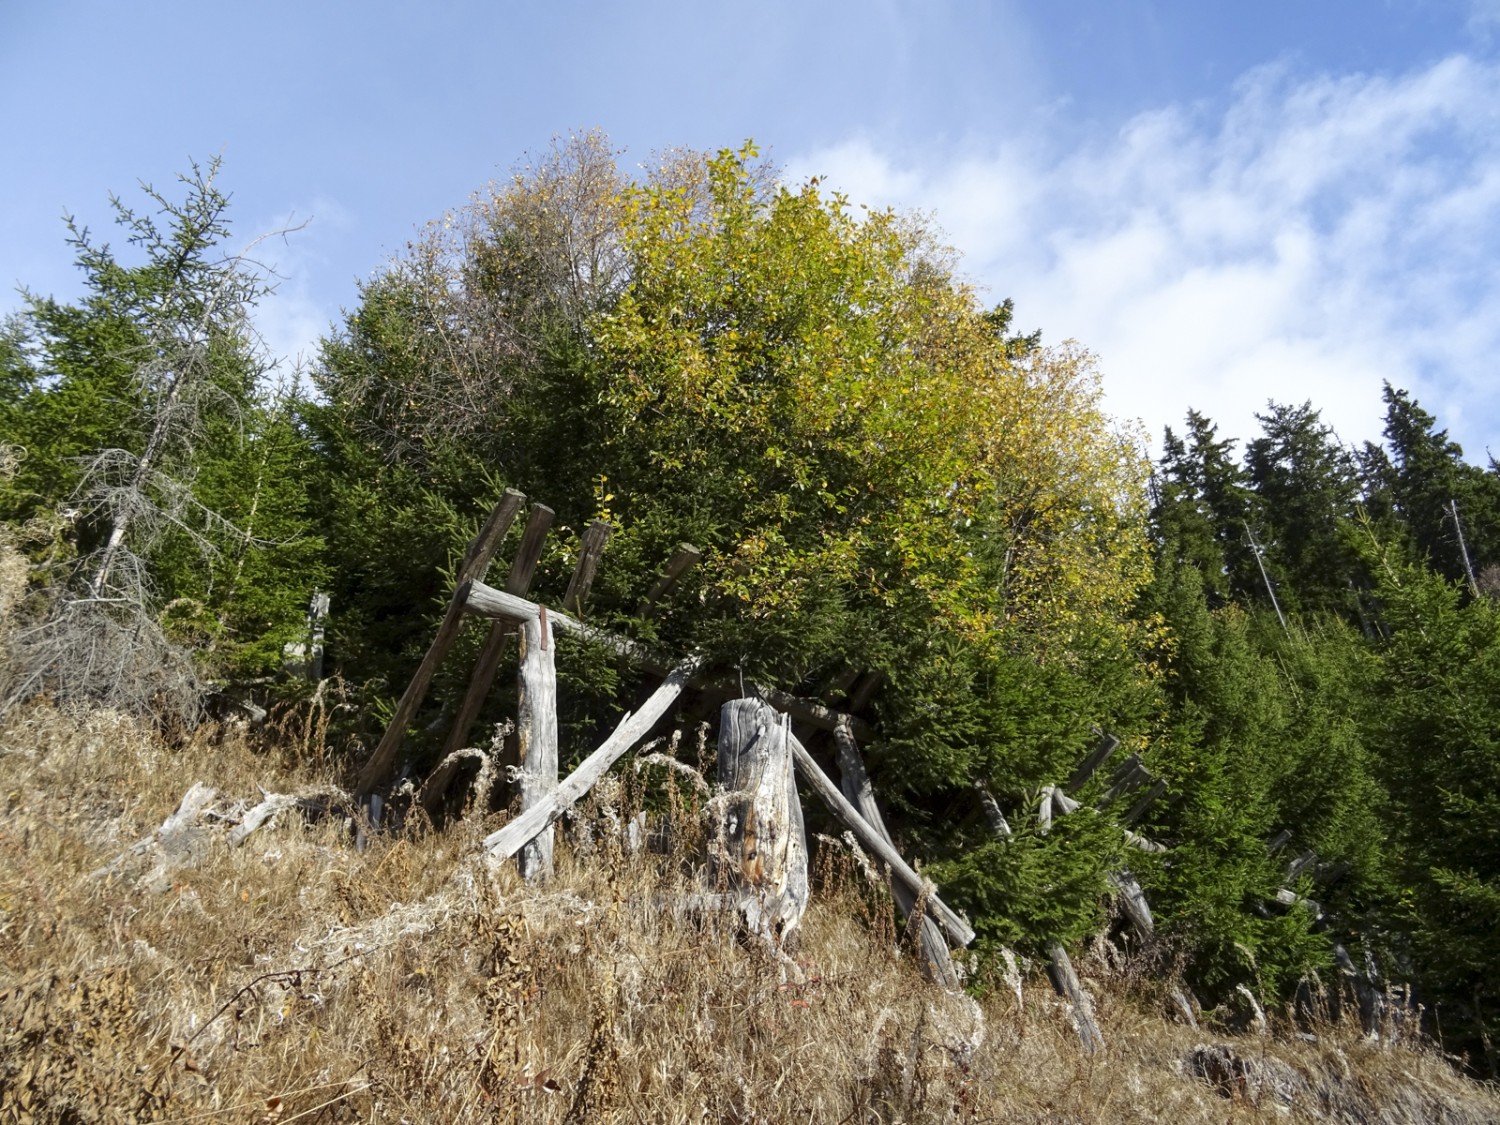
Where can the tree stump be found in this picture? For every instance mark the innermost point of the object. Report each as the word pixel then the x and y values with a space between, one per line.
pixel 764 847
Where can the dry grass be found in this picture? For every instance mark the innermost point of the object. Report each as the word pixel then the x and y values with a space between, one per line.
pixel 294 979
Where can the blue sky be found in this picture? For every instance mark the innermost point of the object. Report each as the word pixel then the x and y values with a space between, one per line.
pixel 1226 202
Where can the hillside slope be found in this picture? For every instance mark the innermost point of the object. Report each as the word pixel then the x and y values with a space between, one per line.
pixel 194 972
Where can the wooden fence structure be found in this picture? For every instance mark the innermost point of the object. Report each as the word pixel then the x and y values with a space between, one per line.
pixel 761 849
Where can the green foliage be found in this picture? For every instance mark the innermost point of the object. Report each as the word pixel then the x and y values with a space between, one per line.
pixel 145 420
pixel 1436 729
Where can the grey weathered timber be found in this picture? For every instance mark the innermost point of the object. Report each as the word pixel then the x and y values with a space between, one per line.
pixel 1131 775
pixel 486 601
pixel 476 560
pixel 959 930
pixel 1106 746
pixel 763 852
pixel 378 768
pixel 1133 903
pixel 686 557
pixel 632 728
pixel 1146 800
pixel 1065 980
pixel 536 735
pixel 999 826
pixel 854 783
pixel 590 551
pixel 522 567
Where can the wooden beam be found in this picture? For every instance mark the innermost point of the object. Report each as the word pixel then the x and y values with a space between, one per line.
pixel 486 601
pixel 590 551
pixel 1106 746
pixel 378 768
pixel 522 567
pixel 854 783
pixel 475 561
pixel 961 932
pixel 1138 809
pixel 536 733
pixel 632 728
pixel 1065 980
pixel 686 557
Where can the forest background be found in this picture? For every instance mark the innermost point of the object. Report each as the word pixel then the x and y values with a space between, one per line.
pixel 886 479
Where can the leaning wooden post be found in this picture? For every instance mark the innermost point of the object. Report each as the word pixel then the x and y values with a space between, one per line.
pixel 518 582
pixel 854 782
pixel 633 727
pixel 536 733
pixel 1064 978
pixel 481 550
pixel 763 849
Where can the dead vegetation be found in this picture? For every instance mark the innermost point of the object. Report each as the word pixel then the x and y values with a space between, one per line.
pixel 160 962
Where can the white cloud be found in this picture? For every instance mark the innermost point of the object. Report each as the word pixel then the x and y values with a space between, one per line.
pixel 1314 238
pixel 291 320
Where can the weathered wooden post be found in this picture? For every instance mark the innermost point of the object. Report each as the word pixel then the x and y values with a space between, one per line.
pixel 475 562
pixel 854 782
pixel 538 523
pixel 536 733
pixel 764 847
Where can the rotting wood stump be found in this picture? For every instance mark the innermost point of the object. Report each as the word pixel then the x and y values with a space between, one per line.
pixel 763 845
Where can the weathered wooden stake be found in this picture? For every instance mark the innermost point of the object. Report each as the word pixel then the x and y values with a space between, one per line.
pixel 685 559
pixel 590 551
pixel 1065 980
pixel 959 930
pixel 509 840
pixel 854 782
pixel 536 733
pixel 480 551
pixel 519 581
pixel 763 847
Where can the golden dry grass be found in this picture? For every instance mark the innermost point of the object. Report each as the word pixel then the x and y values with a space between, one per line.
pixel 295 979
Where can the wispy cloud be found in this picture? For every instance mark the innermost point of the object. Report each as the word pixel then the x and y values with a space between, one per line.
pixel 292 319
pixel 1313 238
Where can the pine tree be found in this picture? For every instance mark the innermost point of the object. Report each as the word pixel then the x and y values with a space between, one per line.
pixel 1305 484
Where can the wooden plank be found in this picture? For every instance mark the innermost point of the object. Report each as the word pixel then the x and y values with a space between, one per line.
pixel 590 551
pixel 1100 754
pixel 476 559
pixel 854 783
pixel 486 601
pixel 536 733
pixel 686 557
pixel 1138 809
pixel 632 728
pixel 766 861
pixel 1065 980
pixel 378 768
pixel 522 567
pixel 1133 903
pixel 959 930
pixel 1131 775
pixel 998 825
